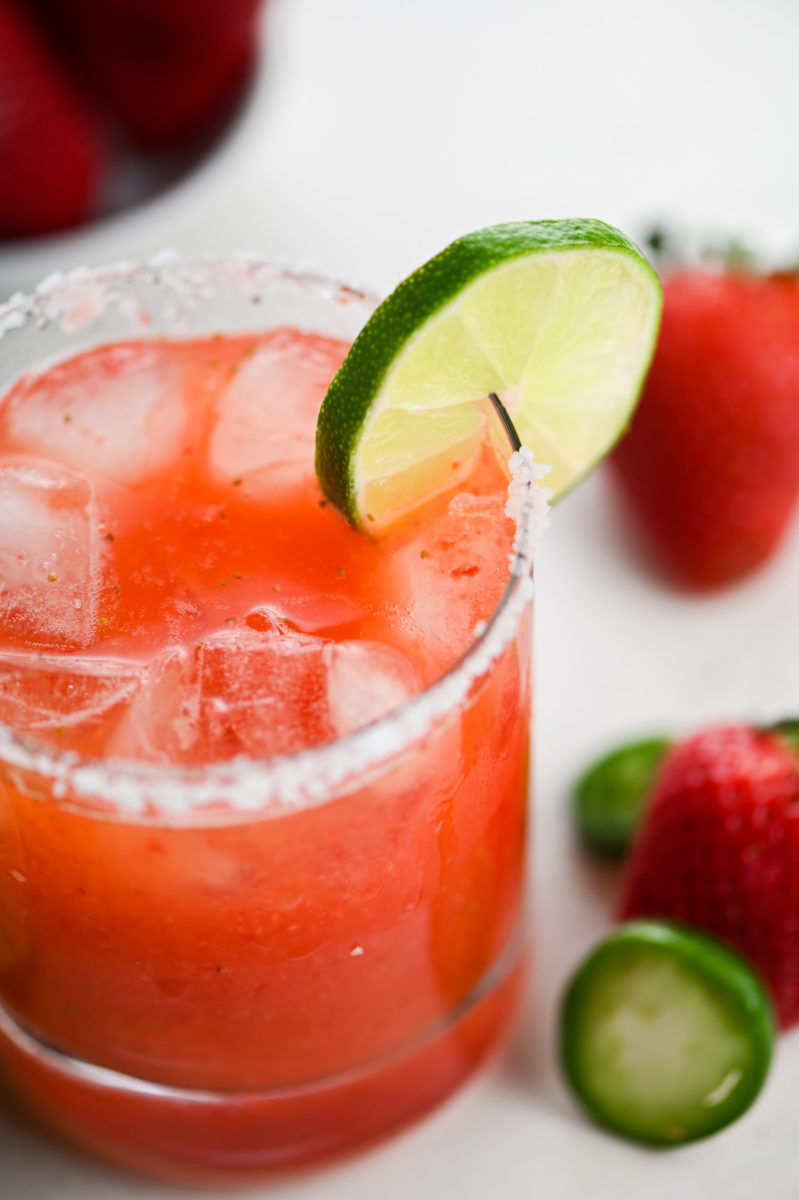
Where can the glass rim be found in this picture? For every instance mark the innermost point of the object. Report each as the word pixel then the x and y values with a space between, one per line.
pixel 245 788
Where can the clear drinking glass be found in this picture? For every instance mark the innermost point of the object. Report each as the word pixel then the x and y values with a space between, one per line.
pixel 218 969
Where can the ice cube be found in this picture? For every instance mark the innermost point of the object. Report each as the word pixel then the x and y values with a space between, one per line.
pixel 116 412
pixel 69 701
pixel 266 693
pixel 266 416
pixel 49 555
pixel 241 691
pixel 259 692
pixel 450 575
pixel 263 693
pixel 162 722
pixel 365 680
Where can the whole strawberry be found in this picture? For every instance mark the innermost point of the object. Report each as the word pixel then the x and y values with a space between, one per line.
pixel 710 466
pixel 718 848
pixel 51 158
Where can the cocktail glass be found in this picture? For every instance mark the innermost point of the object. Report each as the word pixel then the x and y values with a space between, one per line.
pixel 216 970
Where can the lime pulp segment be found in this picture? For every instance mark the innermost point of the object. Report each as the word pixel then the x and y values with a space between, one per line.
pixel 559 318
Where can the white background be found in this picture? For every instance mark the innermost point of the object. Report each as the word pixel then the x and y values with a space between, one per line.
pixel 378 132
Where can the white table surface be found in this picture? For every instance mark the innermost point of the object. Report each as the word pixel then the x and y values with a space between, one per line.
pixel 379 132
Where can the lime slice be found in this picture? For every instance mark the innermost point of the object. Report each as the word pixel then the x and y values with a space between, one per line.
pixel 666 1035
pixel 610 796
pixel 559 318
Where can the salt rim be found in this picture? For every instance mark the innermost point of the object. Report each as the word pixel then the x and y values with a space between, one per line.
pixel 173 794
pixel 76 297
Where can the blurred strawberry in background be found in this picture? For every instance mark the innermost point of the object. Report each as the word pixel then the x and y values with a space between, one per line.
pixel 710 467
pixel 154 76
pixel 51 155
pixel 163 67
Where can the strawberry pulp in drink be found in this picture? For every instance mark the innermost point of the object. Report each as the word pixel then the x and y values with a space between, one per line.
pixel 210 988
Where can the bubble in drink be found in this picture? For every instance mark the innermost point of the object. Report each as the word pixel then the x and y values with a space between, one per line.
pixel 49 555
pixel 118 413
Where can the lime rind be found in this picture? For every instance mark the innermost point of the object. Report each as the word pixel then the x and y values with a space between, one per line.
pixel 558 317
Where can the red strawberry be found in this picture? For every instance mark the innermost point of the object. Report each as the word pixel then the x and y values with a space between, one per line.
pixel 165 67
pixel 51 158
pixel 719 849
pixel 710 466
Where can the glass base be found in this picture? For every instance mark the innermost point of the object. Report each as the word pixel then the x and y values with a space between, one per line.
pixel 191 1136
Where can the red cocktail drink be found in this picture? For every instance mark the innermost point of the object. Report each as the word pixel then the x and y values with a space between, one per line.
pixel 262 779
